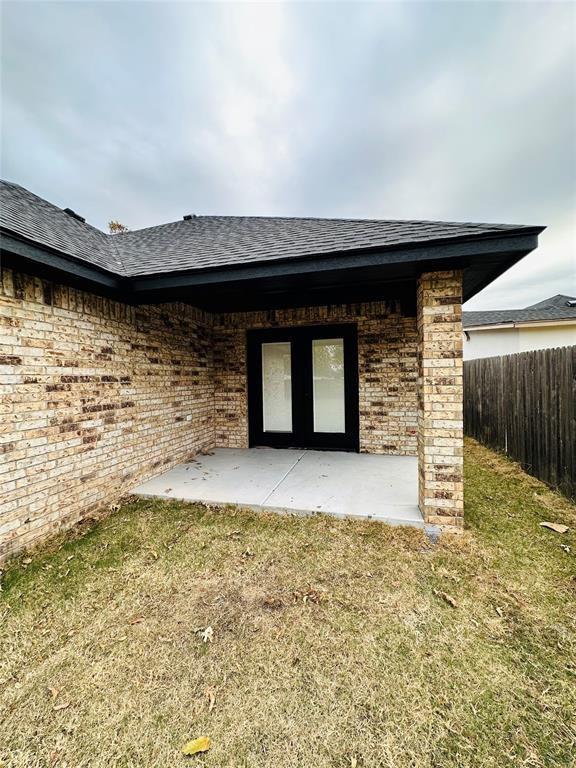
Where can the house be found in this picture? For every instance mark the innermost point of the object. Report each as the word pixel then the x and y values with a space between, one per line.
pixel 124 355
pixel 545 325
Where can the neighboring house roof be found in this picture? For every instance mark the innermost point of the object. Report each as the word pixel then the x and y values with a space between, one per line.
pixel 209 259
pixel 555 308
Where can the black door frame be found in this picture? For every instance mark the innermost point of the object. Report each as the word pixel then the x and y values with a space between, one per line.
pixel 303 435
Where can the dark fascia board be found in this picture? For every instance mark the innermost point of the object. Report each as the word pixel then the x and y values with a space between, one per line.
pixel 18 250
pixel 464 250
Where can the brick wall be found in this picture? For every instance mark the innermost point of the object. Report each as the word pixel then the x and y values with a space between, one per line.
pixel 96 396
pixel 387 349
pixel 440 393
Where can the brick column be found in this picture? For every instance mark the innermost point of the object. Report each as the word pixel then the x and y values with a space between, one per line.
pixel 440 392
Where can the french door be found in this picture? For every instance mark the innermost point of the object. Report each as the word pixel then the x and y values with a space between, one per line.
pixel 303 387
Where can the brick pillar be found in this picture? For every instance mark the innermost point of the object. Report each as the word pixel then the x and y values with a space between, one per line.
pixel 440 392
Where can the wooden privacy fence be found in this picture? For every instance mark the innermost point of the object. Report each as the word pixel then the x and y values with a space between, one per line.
pixel 525 406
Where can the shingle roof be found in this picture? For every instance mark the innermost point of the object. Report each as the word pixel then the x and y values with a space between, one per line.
pixel 554 308
pixel 219 241
pixel 208 242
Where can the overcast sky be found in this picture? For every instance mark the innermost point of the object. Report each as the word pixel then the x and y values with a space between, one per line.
pixel 144 112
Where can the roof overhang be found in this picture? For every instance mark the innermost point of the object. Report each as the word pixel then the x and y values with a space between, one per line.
pixel 29 257
pixel 348 276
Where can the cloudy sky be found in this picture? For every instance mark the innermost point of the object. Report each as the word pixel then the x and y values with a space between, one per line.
pixel 145 111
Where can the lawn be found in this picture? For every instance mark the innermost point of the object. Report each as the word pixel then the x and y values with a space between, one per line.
pixel 297 642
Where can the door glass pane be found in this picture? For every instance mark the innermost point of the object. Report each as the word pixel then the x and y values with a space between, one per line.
pixel 277 387
pixel 328 374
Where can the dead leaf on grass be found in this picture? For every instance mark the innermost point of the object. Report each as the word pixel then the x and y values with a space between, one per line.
pixel 64 705
pixel 556 527
pixel 446 597
pixel 211 696
pixel 137 620
pixel 201 744
pixel 53 692
pixel 499 611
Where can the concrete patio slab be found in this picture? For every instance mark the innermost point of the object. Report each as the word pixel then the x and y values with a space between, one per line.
pixel 351 485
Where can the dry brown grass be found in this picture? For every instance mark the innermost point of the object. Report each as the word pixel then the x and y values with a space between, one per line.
pixel 334 643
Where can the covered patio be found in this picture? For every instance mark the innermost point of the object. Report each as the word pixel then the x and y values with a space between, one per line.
pixel 301 482
pixel 301 365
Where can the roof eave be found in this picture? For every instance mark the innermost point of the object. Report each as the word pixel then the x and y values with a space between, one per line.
pixel 420 254
pixel 523 323
pixel 498 253
pixel 25 254
pixel 393 253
